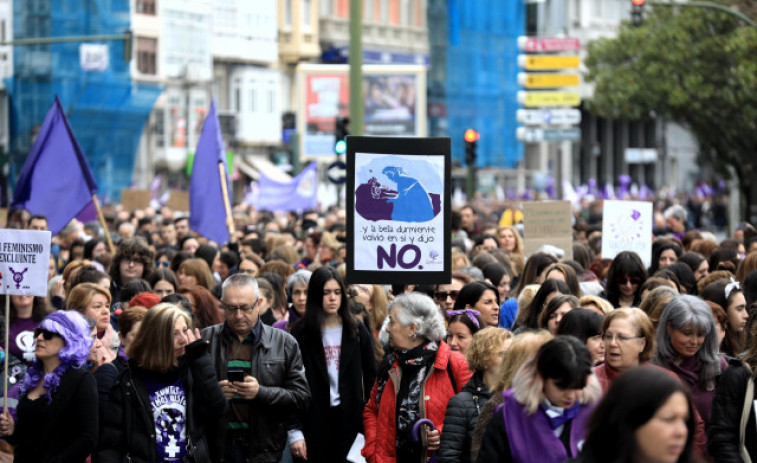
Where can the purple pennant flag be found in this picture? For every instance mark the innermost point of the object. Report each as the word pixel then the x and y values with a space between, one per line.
pixel 297 194
pixel 56 180
pixel 88 214
pixel 207 212
pixel 550 189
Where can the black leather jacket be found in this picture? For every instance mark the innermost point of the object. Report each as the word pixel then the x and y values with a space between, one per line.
pixel 460 421
pixel 284 393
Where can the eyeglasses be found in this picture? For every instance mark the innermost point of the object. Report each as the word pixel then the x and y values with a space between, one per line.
pixel 610 337
pixel 136 260
pixel 162 264
pixel 46 335
pixel 623 280
pixel 441 296
pixel 245 309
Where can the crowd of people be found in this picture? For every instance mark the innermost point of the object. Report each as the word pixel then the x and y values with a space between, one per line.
pixel 172 348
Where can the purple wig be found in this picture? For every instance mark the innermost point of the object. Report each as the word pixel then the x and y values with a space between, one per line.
pixel 77 341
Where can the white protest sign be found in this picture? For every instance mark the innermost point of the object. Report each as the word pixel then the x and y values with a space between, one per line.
pixel 24 261
pixel 627 226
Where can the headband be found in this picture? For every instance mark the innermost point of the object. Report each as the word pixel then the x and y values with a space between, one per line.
pixel 470 313
pixel 730 287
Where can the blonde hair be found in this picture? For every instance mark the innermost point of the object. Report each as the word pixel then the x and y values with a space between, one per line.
pixel 82 294
pixel 526 296
pixel 655 302
pixel 524 346
pixel 153 347
pixel 380 306
pixel 641 322
pixel 457 255
pixel 602 303
pixel 486 343
pixel 70 271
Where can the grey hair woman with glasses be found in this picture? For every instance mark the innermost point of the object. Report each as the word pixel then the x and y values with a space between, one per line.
pixel 687 344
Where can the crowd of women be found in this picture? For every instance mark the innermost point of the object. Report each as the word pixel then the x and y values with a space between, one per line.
pixel 516 358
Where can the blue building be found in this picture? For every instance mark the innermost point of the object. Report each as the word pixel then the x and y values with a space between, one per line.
pixel 473 78
pixel 106 109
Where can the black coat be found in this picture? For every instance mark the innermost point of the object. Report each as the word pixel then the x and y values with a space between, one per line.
pixel 128 426
pixel 357 372
pixel 277 365
pixel 727 408
pixel 460 421
pixel 69 434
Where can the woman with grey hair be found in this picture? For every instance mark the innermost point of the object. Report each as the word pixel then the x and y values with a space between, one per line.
pixel 297 293
pixel 413 384
pixel 687 345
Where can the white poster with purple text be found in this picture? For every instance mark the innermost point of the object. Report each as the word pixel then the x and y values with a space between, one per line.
pixel 627 226
pixel 24 261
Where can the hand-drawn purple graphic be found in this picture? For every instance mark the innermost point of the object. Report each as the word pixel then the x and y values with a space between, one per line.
pixel 395 188
pixel 628 227
pixel 18 277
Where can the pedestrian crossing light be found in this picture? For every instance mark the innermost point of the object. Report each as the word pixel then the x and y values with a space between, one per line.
pixel 637 12
pixel 471 137
pixel 340 134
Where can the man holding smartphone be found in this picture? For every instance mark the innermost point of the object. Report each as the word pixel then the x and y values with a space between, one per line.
pixel 261 373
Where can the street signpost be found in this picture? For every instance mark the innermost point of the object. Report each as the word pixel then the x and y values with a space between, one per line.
pixel 549 116
pixel 337 172
pixel 547 80
pixel 531 135
pixel 540 99
pixel 548 62
pixel 548 44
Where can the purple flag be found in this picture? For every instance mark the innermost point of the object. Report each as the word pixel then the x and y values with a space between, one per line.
pixel 207 212
pixel 296 195
pixel 56 180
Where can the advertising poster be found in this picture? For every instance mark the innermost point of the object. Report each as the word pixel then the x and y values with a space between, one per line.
pixel 627 226
pixel 398 228
pixel 393 103
pixel 24 260
pixel 547 223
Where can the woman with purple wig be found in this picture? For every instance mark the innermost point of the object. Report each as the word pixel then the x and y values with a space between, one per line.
pixel 56 417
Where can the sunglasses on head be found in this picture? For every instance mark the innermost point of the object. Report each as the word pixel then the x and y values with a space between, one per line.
pixel 442 295
pixel 623 280
pixel 46 335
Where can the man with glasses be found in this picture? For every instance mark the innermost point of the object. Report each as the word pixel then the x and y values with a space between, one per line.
pixel 261 373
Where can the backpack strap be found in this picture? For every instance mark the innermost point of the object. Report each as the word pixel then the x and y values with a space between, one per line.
pixel 451 377
pixel 748 399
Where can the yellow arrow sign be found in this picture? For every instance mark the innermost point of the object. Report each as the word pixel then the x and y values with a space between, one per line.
pixel 548 80
pixel 547 62
pixel 538 99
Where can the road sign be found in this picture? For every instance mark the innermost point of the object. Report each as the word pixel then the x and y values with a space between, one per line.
pixel 337 172
pixel 547 80
pixel 565 116
pixel 541 44
pixel 539 99
pixel 530 135
pixel 548 62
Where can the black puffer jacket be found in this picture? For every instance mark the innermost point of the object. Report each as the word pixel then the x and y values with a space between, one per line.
pixel 128 426
pixel 723 436
pixel 460 421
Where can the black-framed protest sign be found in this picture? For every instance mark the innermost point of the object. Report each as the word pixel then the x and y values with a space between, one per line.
pixel 398 209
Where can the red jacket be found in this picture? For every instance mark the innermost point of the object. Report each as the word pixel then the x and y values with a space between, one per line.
pixel 379 419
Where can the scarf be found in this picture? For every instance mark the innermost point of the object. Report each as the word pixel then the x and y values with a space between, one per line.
pixel 414 366
pixel 557 419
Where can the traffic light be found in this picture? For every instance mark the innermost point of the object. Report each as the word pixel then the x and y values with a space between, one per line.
pixel 637 12
pixel 340 133
pixel 471 137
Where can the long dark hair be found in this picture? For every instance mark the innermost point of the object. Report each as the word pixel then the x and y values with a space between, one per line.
pixel 39 308
pixel 625 264
pixel 660 246
pixel 472 292
pixel 633 399
pixel 535 264
pixel 529 316
pixel 734 343
pixel 312 322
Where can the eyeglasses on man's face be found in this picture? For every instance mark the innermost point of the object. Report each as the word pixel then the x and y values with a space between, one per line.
pixel 245 309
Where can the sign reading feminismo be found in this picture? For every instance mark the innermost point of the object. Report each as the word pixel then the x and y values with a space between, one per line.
pixel 24 261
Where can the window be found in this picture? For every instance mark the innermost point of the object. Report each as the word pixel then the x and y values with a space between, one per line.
pixel 2 30
pixel 271 104
pixel 237 95
pixel 306 14
pixel 288 14
pixel 253 100
pixel 147 49
pixel 146 7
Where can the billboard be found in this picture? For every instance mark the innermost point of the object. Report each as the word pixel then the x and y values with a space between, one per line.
pixel 394 99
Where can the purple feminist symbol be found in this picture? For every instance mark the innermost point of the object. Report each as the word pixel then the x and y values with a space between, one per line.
pixel 635 215
pixel 18 277
pixel 433 254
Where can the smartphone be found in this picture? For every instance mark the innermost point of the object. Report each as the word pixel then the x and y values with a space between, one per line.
pixel 235 375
